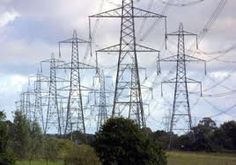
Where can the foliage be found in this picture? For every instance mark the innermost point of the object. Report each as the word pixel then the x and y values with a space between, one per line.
pixel 51 149
pixel 120 141
pixel 77 137
pixel 206 136
pixel 36 141
pixel 228 131
pixel 163 138
pixel 20 136
pixel 4 133
pixel 81 155
pixel 71 153
pixel 6 158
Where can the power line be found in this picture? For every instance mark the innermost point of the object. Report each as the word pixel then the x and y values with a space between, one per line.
pixel 182 3
pixel 220 110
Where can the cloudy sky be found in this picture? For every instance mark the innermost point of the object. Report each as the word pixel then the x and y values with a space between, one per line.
pixel 30 30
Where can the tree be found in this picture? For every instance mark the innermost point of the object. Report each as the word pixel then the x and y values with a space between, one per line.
pixel 51 148
pixel 5 157
pixel 21 136
pixel 204 135
pixel 120 141
pixel 82 155
pixel 36 141
pixel 228 130
pixel 71 153
pixel 3 132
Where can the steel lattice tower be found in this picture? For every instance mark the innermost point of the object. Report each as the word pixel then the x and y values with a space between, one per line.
pixel 181 114
pixel 128 96
pixel 102 109
pixel 75 112
pixel 38 107
pixel 75 105
pixel 53 118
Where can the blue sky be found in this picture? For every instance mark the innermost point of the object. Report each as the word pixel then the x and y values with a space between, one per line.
pixel 30 30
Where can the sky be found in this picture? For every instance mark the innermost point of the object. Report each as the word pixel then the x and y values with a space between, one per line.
pixel 31 29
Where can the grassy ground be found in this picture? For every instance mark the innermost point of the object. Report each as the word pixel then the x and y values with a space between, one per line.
pixel 174 158
pixel 179 158
pixel 38 162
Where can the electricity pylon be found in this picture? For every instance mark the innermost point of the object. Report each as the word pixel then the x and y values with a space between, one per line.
pixel 128 96
pixel 53 114
pixel 101 106
pixel 75 112
pixel 38 107
pixel 26 104
pixel 181 113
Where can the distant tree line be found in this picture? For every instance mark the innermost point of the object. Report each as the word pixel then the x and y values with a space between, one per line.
pixel 23 140
pixel 119 141
pixel 206 136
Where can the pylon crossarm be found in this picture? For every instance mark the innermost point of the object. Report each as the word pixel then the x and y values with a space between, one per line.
pixel 171 81
pixel 49 60
pixel 110 13
pixel 141 13
pixel 186 33
pixel 146 87
pixel 80 66
pixel 189 58
pixel 138 13
pixel 116 48
pixel 192 81
pixel 77 40
pixel 141 48
pixel 67 88
pixel 98 92
pixel 86 66
pixel 169 59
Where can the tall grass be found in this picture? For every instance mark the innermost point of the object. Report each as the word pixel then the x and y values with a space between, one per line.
pixel 38 162
pixel 180 158
pixel 174 158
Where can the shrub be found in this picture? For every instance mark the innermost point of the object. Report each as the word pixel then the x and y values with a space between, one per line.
pixel 120 141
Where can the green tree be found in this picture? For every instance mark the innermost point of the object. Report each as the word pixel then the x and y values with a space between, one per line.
pixel 21 136
pixel 204 135
pixel 51 148
pixel 81 155
pixel 163 139
pixel 228 130
pixel 5 156
pixel 120 141
pixel 36 141
pixel 3 133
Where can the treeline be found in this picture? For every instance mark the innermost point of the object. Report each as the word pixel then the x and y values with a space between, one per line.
pixel 24 140
pixel 120 141
pixel 206 136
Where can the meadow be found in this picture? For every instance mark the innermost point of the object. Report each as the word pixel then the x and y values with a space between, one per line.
pixel 183 158
pixel 174 158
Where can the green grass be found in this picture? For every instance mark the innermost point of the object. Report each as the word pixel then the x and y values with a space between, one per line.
pixel 174 158
pixel 38 162
pixel 183 158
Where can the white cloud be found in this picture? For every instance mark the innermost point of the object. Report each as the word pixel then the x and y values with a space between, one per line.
pixel 7 83
pixel 8 17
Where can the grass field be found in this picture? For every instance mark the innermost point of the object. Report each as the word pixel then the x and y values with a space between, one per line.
pixel 174 158
pixel 179 158
pixel 38 162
